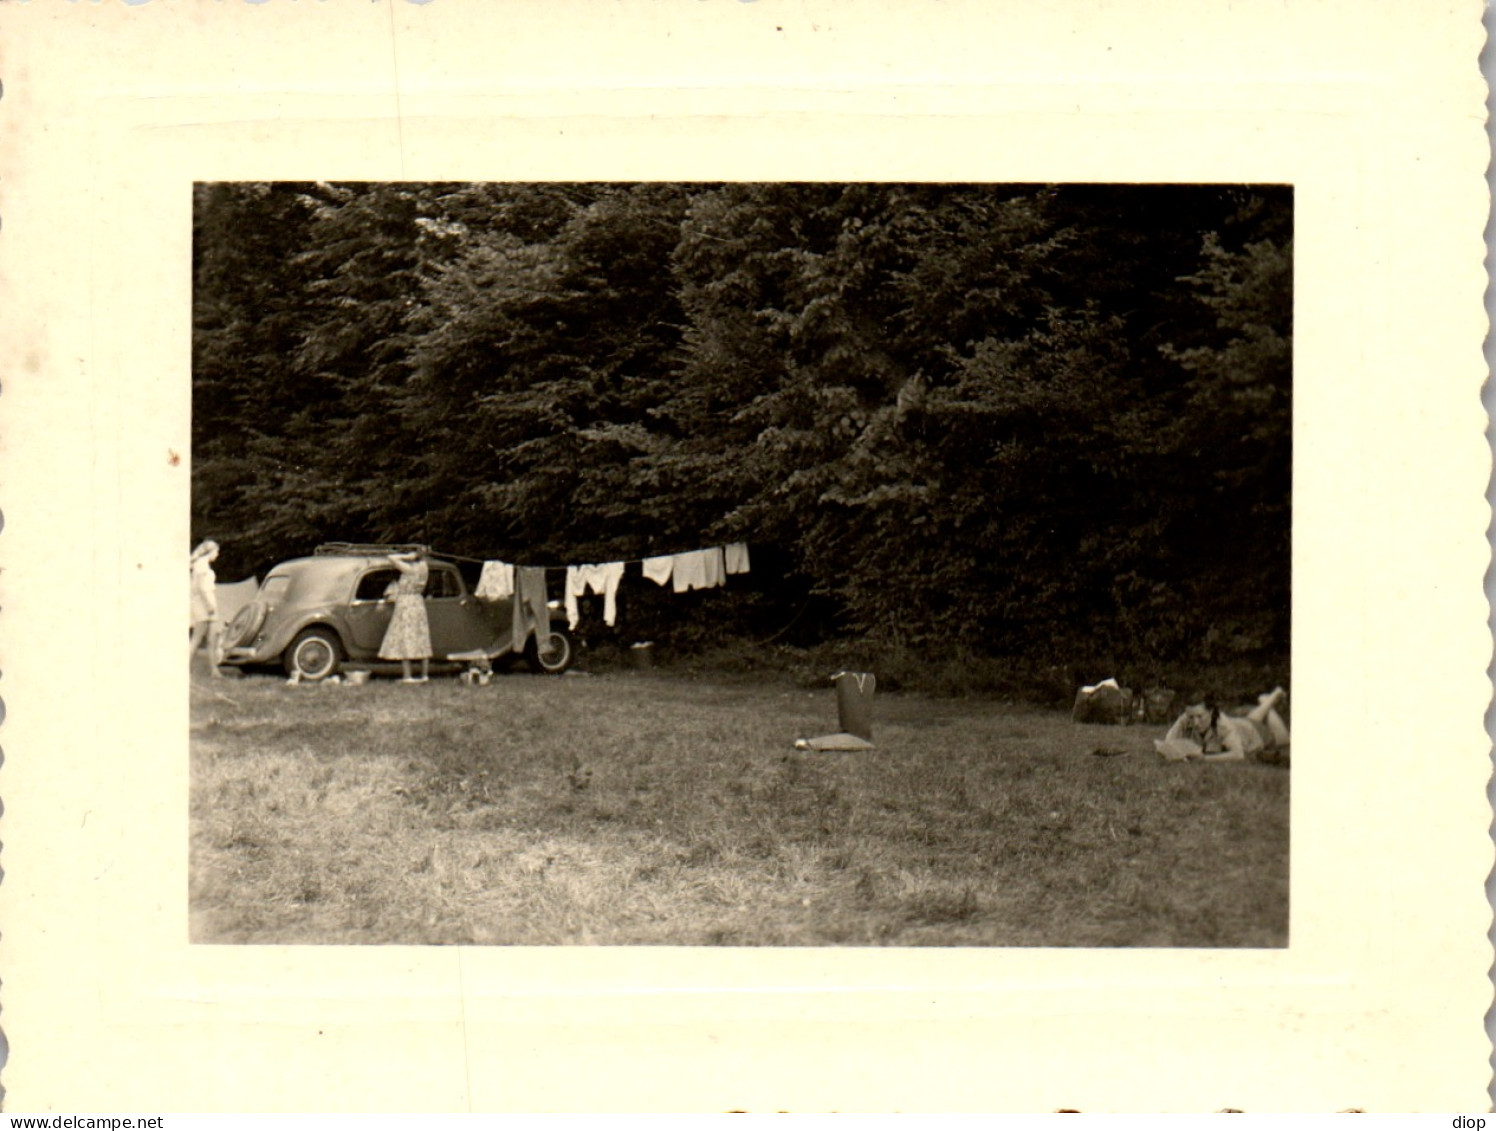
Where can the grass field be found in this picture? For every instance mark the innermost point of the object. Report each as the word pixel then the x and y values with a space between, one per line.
pixel 642 808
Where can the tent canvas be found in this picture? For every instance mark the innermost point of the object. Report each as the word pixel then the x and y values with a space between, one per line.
pixel 233 596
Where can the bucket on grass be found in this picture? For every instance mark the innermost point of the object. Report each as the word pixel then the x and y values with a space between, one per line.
pixel 641 655
pixel 854 702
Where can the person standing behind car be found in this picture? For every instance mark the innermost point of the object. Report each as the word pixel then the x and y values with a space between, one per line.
pixel 409 634
pixel 205 605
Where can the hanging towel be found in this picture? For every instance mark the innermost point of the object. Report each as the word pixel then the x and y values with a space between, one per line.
pixel 658 569
pixel 496 582
pixel 737 557
pixel 530 611
pixel 690 570
pixel 714 571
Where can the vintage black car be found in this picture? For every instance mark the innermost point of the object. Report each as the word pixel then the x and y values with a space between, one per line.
pixel 314 615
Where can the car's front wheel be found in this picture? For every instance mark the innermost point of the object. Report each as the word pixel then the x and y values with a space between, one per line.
pixel 315 654
pixel 552 656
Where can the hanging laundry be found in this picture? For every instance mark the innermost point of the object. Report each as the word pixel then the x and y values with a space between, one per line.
pixel 600 579
pixel 575 587
pixel 714 570
pixel 611 574
pixel 496 582
pixel 658 569
pixel 689 571
pixel 594 577
pixel 737 557
pixel 699 569
pixel 531 613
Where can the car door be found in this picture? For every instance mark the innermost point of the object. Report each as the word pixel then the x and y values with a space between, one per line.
pixel 458 623
pixel 368 613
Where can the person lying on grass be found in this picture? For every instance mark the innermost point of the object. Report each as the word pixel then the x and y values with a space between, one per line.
pixel 1204 730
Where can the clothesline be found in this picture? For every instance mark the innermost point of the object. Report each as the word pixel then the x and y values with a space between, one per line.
pixel 563 568
pixel 693 569
pixel 444 556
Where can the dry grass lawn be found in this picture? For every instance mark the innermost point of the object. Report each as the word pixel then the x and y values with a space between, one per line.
pixel 641 808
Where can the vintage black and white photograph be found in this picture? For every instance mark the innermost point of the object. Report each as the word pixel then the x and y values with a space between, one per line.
pixel 746 564
pixel 745 557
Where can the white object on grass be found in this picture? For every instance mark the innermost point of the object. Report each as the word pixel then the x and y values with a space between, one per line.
pixel 1177 749
pixel 842 741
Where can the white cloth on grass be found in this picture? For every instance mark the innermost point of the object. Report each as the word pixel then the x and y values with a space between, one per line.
pixel 840 741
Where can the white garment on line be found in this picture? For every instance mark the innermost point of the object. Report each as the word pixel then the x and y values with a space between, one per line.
pixel 604 579
pixel 737 557
pixel 601 579
pixel 689 571
pixel 699 569
pixel 496 582
pixel 714 567
pixel 574 589
pixel 658 569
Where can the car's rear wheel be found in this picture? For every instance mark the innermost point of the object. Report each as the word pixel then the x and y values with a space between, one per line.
pixel 549 657
pixel 315 654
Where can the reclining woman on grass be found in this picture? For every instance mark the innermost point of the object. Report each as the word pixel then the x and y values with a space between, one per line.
pixel 1204 730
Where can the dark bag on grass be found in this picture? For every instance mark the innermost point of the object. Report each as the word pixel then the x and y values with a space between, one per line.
pixel 1105 703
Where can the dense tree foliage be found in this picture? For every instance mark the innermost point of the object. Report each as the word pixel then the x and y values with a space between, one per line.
pixel 1018 419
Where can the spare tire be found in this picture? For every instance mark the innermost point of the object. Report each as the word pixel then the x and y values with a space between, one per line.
pixel 246 623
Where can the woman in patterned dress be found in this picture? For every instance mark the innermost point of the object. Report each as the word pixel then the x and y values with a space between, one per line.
pixel 409 634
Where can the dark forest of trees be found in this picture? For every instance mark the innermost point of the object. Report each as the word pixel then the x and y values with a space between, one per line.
pixel 1019 420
